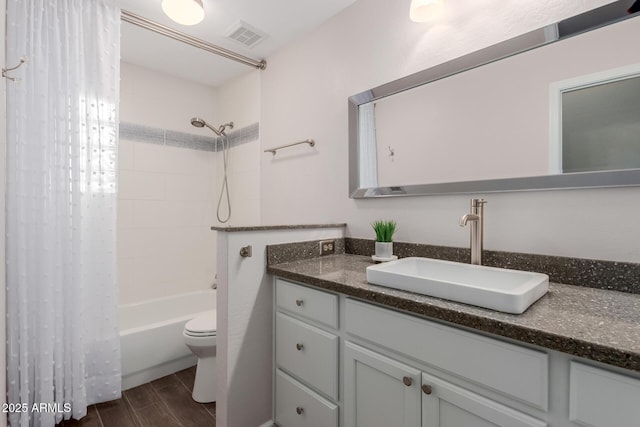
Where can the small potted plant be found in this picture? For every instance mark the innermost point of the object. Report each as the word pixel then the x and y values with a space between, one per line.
pixel 384 238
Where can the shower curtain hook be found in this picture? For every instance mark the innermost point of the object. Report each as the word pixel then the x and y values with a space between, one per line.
pixel 23 59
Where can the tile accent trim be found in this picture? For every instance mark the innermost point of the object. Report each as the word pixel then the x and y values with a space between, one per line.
pixel 151 135
pixel 591 273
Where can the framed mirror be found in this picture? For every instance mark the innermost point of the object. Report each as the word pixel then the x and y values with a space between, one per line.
pixel 555 108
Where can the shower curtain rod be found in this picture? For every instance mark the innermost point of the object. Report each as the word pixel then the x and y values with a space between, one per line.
pixel 142 22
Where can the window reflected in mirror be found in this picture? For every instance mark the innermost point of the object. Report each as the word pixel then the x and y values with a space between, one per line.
pixel 601 126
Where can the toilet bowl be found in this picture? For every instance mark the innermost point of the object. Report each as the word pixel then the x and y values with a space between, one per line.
pixel 200 336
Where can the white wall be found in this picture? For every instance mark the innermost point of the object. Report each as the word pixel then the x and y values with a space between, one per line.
pixel 238 101
pixel 158 100
pixel 304 95
pixel 245 330
pixel 165 200
pixel 3 147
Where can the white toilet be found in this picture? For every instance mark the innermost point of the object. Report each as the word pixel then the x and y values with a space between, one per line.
pixel 200 336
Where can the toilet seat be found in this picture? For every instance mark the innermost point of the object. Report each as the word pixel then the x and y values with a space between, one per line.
pixel 203 325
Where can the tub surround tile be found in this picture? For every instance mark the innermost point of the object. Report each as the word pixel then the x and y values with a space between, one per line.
pixel 228 229
pixel 141 133
pixel 251 132
pixel 188 140
pixel 596 324
pixel 611 275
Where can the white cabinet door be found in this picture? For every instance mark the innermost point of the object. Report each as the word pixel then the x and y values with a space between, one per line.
pixel 600 398
pixel 379 391
pixel 447 405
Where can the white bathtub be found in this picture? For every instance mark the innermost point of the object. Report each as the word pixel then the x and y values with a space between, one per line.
pixel 151 339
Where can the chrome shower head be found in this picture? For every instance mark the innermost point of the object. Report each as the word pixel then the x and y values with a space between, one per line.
pixel 197 122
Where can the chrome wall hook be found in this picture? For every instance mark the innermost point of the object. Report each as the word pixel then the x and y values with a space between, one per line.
pixel 246 251
pixel 5 70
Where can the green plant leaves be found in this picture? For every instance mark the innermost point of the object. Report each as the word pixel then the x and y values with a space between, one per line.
pixel 384 230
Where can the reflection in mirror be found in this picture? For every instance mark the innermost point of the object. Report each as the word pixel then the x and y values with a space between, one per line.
pixel 513 124
pixel 601 126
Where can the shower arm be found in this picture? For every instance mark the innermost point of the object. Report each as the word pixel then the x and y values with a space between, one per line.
pixel 220 130
pixel 198 122
pixel 216 131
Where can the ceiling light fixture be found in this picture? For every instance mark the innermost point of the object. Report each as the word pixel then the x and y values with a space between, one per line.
pixel 185 12
pixel 424 10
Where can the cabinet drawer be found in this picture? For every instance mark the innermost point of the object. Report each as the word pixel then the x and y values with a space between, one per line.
pixel 515 371
pixel 308 353
pixel 600 398
pixel 297 406
pixel 319 306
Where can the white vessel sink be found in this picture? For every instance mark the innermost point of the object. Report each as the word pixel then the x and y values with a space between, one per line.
pixel 510 291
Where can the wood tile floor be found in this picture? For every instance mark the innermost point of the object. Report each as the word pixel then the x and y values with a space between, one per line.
pixel 165 402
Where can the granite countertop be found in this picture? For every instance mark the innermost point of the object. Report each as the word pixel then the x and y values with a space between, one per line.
pixel 596 324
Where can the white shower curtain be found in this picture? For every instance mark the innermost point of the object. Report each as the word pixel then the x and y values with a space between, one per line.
pixel 62 127
pixel 367 145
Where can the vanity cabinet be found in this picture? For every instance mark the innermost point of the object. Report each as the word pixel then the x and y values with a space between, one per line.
pixel 447 405
pixel 344 362
pixel 379 391
pixel 306 346
pixel 600 398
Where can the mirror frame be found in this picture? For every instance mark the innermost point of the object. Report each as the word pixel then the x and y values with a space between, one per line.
pixel 590 20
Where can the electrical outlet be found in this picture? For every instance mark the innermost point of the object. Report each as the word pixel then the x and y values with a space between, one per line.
pixel 327 247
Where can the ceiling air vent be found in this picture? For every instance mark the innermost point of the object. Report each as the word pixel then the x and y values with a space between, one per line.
pixel 246 34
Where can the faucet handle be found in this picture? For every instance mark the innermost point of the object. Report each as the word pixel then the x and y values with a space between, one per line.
pixel 476 203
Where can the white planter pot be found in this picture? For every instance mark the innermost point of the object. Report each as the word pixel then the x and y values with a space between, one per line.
pixel 384 249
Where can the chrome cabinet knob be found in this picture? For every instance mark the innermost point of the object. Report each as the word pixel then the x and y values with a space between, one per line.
pixel 426 389
pixel 407 381
pixel 299 410
pixel 299 302
pixel 299 346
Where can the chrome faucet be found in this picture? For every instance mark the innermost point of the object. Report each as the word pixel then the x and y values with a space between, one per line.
pixel 476 219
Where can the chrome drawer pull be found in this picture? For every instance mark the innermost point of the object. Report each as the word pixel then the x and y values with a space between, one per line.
pixel 426 389
pixel 299 346
pixel 407 381
pixel 299 302
pixel 299 410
